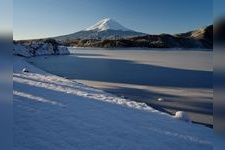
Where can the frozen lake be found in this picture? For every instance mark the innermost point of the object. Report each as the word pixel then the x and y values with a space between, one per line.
pixel 183 79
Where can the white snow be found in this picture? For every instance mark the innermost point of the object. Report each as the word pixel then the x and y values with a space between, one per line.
pixel 160 99
pixel 181 115
pixel 51 112
pixel 38 49
pixel 107 24
pixel 25 70
pixel 20 49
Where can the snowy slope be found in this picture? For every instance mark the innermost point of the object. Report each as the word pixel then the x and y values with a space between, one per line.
pixel 37 49
pixel 51 112
pixel 107 24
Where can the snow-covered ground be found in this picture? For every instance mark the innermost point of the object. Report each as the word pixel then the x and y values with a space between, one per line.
pixel 38 48
pixel 51 112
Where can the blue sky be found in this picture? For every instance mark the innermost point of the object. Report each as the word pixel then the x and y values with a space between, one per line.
pixel 218 8
pixel 6 13
pixel 46 18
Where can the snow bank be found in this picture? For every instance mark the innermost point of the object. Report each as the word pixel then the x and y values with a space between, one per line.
pixel 38 48
pixel 51 112
pixel 181 115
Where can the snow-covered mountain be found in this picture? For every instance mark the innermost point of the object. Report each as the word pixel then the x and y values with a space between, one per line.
pixel 104 29
pixel 107 24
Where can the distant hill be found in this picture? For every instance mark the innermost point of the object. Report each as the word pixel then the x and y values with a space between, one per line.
pixel 201 38
pixel 204 35
pixel 31 48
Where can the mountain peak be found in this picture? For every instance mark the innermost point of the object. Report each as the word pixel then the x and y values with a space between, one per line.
pixel 107 24
pixel 112 30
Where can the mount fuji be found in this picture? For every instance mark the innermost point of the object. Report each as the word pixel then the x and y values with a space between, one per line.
pixel 104 29
pixel 107 24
